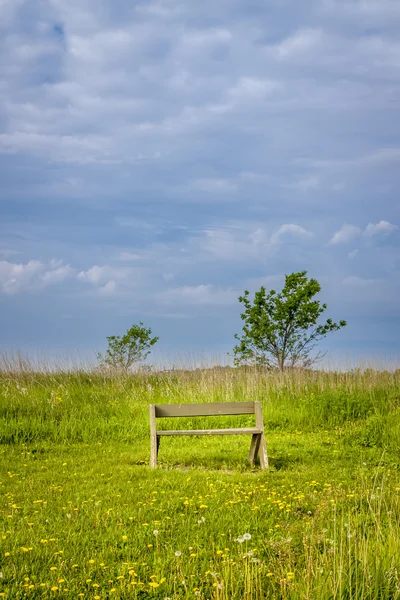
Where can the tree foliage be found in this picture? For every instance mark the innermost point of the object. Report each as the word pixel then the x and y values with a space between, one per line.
pixel 126 350
pixel 281 329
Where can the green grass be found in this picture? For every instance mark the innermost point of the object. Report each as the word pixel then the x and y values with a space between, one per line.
pixel 80 509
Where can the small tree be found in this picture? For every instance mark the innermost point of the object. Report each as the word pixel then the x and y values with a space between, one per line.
pixel 128 349
pixel 281 329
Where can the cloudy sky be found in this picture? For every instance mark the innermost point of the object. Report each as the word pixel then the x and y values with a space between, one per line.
pixel 159 157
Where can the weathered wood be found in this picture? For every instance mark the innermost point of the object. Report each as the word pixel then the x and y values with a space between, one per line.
pixel 204 410
pixel 258 444
pixel 262 446
pixel 153 436
pixel 254 447
pixel 232 431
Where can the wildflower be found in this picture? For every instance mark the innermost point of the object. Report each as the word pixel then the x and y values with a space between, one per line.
pixel 6 554
pixel 91 561
pixel 200 521
pixel 53 568
pixel 124 538
pixel 178 553
pixel 246 537
pixel 54 588
pixel 155 532
pixel 154 584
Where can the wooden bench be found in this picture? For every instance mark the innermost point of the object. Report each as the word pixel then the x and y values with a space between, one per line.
pixel 257 446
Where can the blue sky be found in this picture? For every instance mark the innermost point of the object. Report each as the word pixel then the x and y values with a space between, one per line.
pixel 158 158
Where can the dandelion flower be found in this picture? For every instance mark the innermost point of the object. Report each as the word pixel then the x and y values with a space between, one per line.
pixel 246 536
pixel 155 532
pixel 178 553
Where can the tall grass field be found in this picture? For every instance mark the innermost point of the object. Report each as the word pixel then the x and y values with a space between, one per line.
pixel 83 516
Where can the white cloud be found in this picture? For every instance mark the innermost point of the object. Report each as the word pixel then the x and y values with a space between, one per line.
pixel 108 289
pixel 290 228
pixel 15 277
pixel 20 277
pixel 57 275
pixel 300 42
pixel 346 234
pixel 102 275
pixel 198 295
pixel 353 253
pixel 252 88
pixel 381 227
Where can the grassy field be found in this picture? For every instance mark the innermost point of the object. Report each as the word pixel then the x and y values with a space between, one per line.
pixel 82 515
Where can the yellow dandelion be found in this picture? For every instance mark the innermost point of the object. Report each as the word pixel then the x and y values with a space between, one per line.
pixel 53 568
pixel 154 584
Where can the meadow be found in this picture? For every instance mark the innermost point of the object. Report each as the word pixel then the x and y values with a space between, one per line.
pixel 83 516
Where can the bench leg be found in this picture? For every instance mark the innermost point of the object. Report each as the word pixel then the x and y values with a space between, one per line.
pixel 154 438
pixel 154 443
pixel 263 452
pixel 254 447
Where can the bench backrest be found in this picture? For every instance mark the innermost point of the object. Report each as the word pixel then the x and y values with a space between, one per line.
pixel 205 410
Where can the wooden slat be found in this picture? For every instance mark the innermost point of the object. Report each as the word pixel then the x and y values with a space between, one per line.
pixel 248 430
pixel 263 445
pixel 204 410
pixel 153 437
